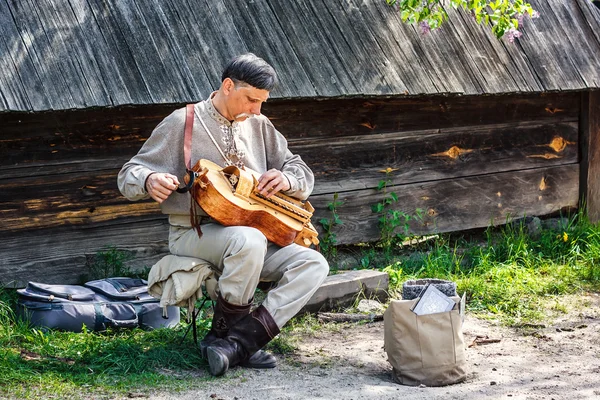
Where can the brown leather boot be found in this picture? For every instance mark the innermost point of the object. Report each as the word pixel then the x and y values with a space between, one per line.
pixel 244 339
pixel 225 316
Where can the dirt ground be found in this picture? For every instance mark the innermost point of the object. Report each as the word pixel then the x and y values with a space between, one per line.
pixel 559 360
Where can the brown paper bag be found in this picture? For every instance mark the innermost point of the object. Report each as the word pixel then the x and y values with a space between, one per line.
pixel 424 349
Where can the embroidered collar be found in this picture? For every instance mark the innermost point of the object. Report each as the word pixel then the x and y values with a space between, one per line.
pixel 229 132
pixel 212 111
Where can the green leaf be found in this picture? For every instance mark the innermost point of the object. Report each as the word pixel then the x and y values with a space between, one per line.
pixel 377 208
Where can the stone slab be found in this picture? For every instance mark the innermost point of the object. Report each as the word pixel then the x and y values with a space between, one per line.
pixel 341 290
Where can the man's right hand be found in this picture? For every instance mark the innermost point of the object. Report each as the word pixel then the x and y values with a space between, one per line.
pixel 160 185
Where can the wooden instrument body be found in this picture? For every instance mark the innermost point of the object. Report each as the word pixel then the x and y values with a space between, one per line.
pixel 227 195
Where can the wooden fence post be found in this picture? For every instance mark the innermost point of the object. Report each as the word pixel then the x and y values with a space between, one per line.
pixel 590 154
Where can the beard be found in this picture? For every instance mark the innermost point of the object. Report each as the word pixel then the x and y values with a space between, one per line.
pixel 243 116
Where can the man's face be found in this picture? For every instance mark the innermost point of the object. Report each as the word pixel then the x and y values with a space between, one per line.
pixel 242 100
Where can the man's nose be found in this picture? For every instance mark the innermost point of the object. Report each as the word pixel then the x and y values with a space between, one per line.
pixel 255 109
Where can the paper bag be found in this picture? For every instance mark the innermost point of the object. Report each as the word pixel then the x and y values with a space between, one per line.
pixel 424 349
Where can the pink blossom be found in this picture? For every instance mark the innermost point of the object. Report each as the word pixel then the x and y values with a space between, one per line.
pixel 513 34
pixel 425 28
pixel 520 19
pixel 535 14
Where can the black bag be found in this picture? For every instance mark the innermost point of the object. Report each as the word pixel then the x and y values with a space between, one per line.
pixel 111 302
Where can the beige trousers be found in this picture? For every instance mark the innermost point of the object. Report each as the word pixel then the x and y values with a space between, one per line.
pixel 244 258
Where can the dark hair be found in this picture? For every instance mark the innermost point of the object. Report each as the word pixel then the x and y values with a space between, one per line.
pixel 251 69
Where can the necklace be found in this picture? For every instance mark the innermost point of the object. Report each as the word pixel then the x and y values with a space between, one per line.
pixel 233 155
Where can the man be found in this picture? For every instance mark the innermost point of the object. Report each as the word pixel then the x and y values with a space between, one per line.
pixel 230 130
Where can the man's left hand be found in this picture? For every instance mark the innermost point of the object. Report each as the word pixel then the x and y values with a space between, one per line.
pixel 271 182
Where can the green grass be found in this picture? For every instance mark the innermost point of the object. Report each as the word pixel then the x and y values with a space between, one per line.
pixel 509 273
pixel 51 364
pixel 34 363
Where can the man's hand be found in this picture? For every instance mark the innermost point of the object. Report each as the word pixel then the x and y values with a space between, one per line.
pixel 160 185
pixel 271 182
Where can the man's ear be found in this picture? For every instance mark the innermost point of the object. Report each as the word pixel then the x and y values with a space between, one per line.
pixel 228 85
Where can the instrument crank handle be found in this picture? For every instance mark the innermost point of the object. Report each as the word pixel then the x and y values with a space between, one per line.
pixel 191 178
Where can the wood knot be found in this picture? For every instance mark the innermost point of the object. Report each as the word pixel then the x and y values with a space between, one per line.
pixel 453 152
pixel 368 125
pixel 546 156
pixel 388 170
pixel 558 144
pixel 543 185
pixel 431 212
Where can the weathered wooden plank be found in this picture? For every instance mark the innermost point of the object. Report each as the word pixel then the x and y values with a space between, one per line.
pixel 189 22
pixel 61 65
pixel 62 137
pixel 341 290
pixel 553 67
pixel 63 255
pixel 509 56
pixel 173 47
pixel 335 118
pixel 404 48
pixel 345 47
pixel 451 59
pixel 38 143
pixel 312 46
pixel 590 154
pixel 115 53
pixel 262 34
pixel 212 16
pixel 163 83
pixel 23 125
pixel 491 69
pixel 133 49
pixel 584 55
pixel 32 215
pixel 590 14
pixel 458 204
pixel 61 26
pixel 356 162
pixel 443 58
pixel 37 58
pixel 13 92
pixel 349 16
pixel 96 53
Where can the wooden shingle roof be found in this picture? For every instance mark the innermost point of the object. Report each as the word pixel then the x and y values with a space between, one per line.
pixel 67 54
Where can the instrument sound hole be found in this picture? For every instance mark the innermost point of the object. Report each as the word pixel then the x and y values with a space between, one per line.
pixel 232 179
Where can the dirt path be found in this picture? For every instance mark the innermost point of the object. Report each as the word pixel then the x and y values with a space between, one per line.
pixel 558 361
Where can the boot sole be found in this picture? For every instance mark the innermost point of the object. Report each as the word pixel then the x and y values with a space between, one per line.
pixel 217 362
pixel 260 360
pixel 258 366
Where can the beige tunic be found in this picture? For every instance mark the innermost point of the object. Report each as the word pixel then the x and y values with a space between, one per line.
pixel 262 147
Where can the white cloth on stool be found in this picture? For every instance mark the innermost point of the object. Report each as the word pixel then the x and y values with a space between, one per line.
pixel 178 280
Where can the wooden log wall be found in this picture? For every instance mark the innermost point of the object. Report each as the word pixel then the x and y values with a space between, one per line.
pixel 465 162
pixel 590 153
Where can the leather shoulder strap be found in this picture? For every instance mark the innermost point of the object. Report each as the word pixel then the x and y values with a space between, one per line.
pixel 187 140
